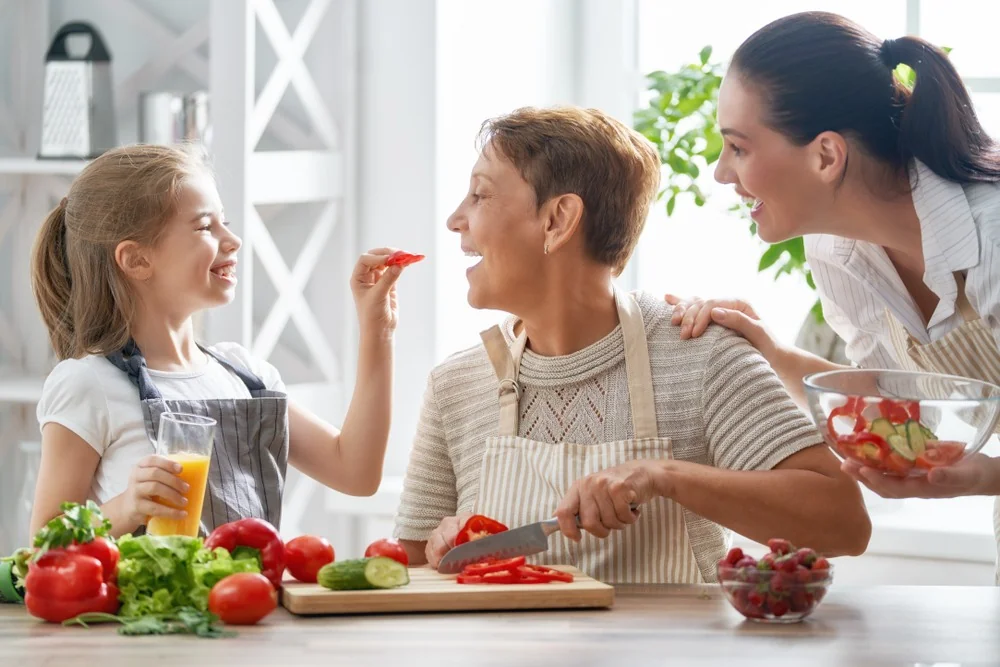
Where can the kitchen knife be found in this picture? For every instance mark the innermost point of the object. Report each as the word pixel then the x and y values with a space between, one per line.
pixel 524 541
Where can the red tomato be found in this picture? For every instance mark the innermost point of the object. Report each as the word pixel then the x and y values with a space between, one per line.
pixel 388 548
pixel 940 453
pixel 305 555
pixel 243 598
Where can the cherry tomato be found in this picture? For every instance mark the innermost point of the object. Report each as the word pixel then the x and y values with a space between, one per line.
pixel 388 548
pixel 305 555
pixel 243 598
pixel 940 453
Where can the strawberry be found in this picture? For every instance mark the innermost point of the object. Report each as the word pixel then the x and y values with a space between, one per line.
pixel 734 555
pixel 779 608
pixel 799 600
pixel 779 547
pixel 789 564
pixel 806 557
pixel 746 561
pixel 766 562
pixel 780 583
pixel 820 564
pixel 803 575
pixel 756 599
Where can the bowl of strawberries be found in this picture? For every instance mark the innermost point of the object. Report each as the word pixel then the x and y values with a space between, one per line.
pixel 784 586
pixel 902 423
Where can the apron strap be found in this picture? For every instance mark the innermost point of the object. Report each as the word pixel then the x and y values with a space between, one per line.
pixel 969 313
pixel 252 381
pixel 131 361
pixel 637 368
pixel 506 361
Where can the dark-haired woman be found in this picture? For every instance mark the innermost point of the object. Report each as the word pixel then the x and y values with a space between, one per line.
pixel 897 194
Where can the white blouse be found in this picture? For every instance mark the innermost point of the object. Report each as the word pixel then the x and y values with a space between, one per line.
pixel 960 228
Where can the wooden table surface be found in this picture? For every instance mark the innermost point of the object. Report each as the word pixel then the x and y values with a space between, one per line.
pixel 656 625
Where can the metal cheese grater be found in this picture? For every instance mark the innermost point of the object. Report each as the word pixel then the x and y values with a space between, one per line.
pixel 78 115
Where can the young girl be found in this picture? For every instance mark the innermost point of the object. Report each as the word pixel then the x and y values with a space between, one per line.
pixel 138 246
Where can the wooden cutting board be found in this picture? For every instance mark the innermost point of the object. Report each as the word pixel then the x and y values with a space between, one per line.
pixel 429 591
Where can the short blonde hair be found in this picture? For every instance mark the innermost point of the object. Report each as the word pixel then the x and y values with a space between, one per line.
pixel 567 149
pixel 128 193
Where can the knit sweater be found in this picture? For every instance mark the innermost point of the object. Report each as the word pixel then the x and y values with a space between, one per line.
pixel 716 398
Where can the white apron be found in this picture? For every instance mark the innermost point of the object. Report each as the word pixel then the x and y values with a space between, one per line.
pixel 522 480
pixel 969 351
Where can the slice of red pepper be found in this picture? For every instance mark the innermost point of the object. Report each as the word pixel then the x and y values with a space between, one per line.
pixel 255 534
pixel 486 567
pixel 848 410
pixel 862 439
pixel 546 574
pixel 478 526
pixel 400 258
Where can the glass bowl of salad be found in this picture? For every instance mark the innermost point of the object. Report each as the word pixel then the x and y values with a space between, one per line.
pixel 900 422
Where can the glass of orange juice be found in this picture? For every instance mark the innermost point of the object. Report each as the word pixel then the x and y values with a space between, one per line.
pixel 186 439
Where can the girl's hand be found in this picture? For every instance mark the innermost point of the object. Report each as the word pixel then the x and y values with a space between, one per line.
pixel 154 480
pixel 374 288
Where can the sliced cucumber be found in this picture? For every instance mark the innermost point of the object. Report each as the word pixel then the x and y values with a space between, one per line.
pixel 928 434
pixel 900 446
pixel 915 437
pixel 363 574
pixel 901 429
pixel 882 427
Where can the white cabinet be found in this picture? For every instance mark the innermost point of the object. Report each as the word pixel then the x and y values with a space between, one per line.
pixel 282 81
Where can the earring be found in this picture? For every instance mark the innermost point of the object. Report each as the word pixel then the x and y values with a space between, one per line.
pixel 546 249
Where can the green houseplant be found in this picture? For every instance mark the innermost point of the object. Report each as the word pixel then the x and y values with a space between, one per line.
pixel 680 120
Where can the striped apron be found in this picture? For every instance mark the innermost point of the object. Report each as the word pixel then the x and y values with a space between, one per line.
pixel 250 452
pixel 522 480
pixel 969 351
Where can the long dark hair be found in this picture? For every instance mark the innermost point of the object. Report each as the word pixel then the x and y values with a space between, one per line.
pixel 820 72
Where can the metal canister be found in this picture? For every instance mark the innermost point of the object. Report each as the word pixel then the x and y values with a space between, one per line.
pixel 161 117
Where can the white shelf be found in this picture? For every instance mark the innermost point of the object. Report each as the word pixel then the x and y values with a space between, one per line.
pixel 28 165
pixel 20 389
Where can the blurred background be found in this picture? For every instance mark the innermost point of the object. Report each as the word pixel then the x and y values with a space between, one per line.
pixel 340 125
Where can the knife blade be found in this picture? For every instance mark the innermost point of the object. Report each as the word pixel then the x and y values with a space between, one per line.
pixel 524 541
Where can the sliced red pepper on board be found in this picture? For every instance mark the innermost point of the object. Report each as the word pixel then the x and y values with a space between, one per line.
pixel 400 258
pixel 485 567
pixel 546 573
pixel 940 453
pixel 478 526
pixel 253 534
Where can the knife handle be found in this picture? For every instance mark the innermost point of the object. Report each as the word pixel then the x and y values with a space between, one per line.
pixel 550 526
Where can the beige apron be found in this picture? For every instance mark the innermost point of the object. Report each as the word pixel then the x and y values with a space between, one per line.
pixel 522 480
pixel 969 351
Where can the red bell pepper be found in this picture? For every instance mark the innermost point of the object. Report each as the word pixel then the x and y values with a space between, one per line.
pixel 401 259
pixel 867 447
pixel 478 526
pixel 899 411
pixel 489 566
pixel 103 550
pixel 853 408
pixel 253 534
pixel 510 571
pixel 63 584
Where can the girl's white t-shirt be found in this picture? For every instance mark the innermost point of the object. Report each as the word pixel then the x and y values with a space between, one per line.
pixel 97 401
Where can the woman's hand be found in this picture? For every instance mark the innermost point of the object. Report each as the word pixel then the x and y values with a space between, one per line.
pixel 442 540
pixel 374 287
pixel 153 480
pixel 603 500
pixel 978 475
pixel 694 315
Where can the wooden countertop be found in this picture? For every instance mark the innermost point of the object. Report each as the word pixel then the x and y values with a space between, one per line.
pixel 655 625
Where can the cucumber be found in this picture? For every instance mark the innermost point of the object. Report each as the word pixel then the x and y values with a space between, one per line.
pixel 363 574
pixel 928 434
pixel 883 428
pixel 915 437
pixel 901 429
pixel 900 446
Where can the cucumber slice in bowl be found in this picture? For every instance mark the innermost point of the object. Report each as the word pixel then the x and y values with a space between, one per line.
pixel 363 574
pixel 899 445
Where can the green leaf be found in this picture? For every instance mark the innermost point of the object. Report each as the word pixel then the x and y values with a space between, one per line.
pixel 705 54
pixel 670 204
pixel 77 523
pixel 817 311
pixel 770 256
pixel 809 280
